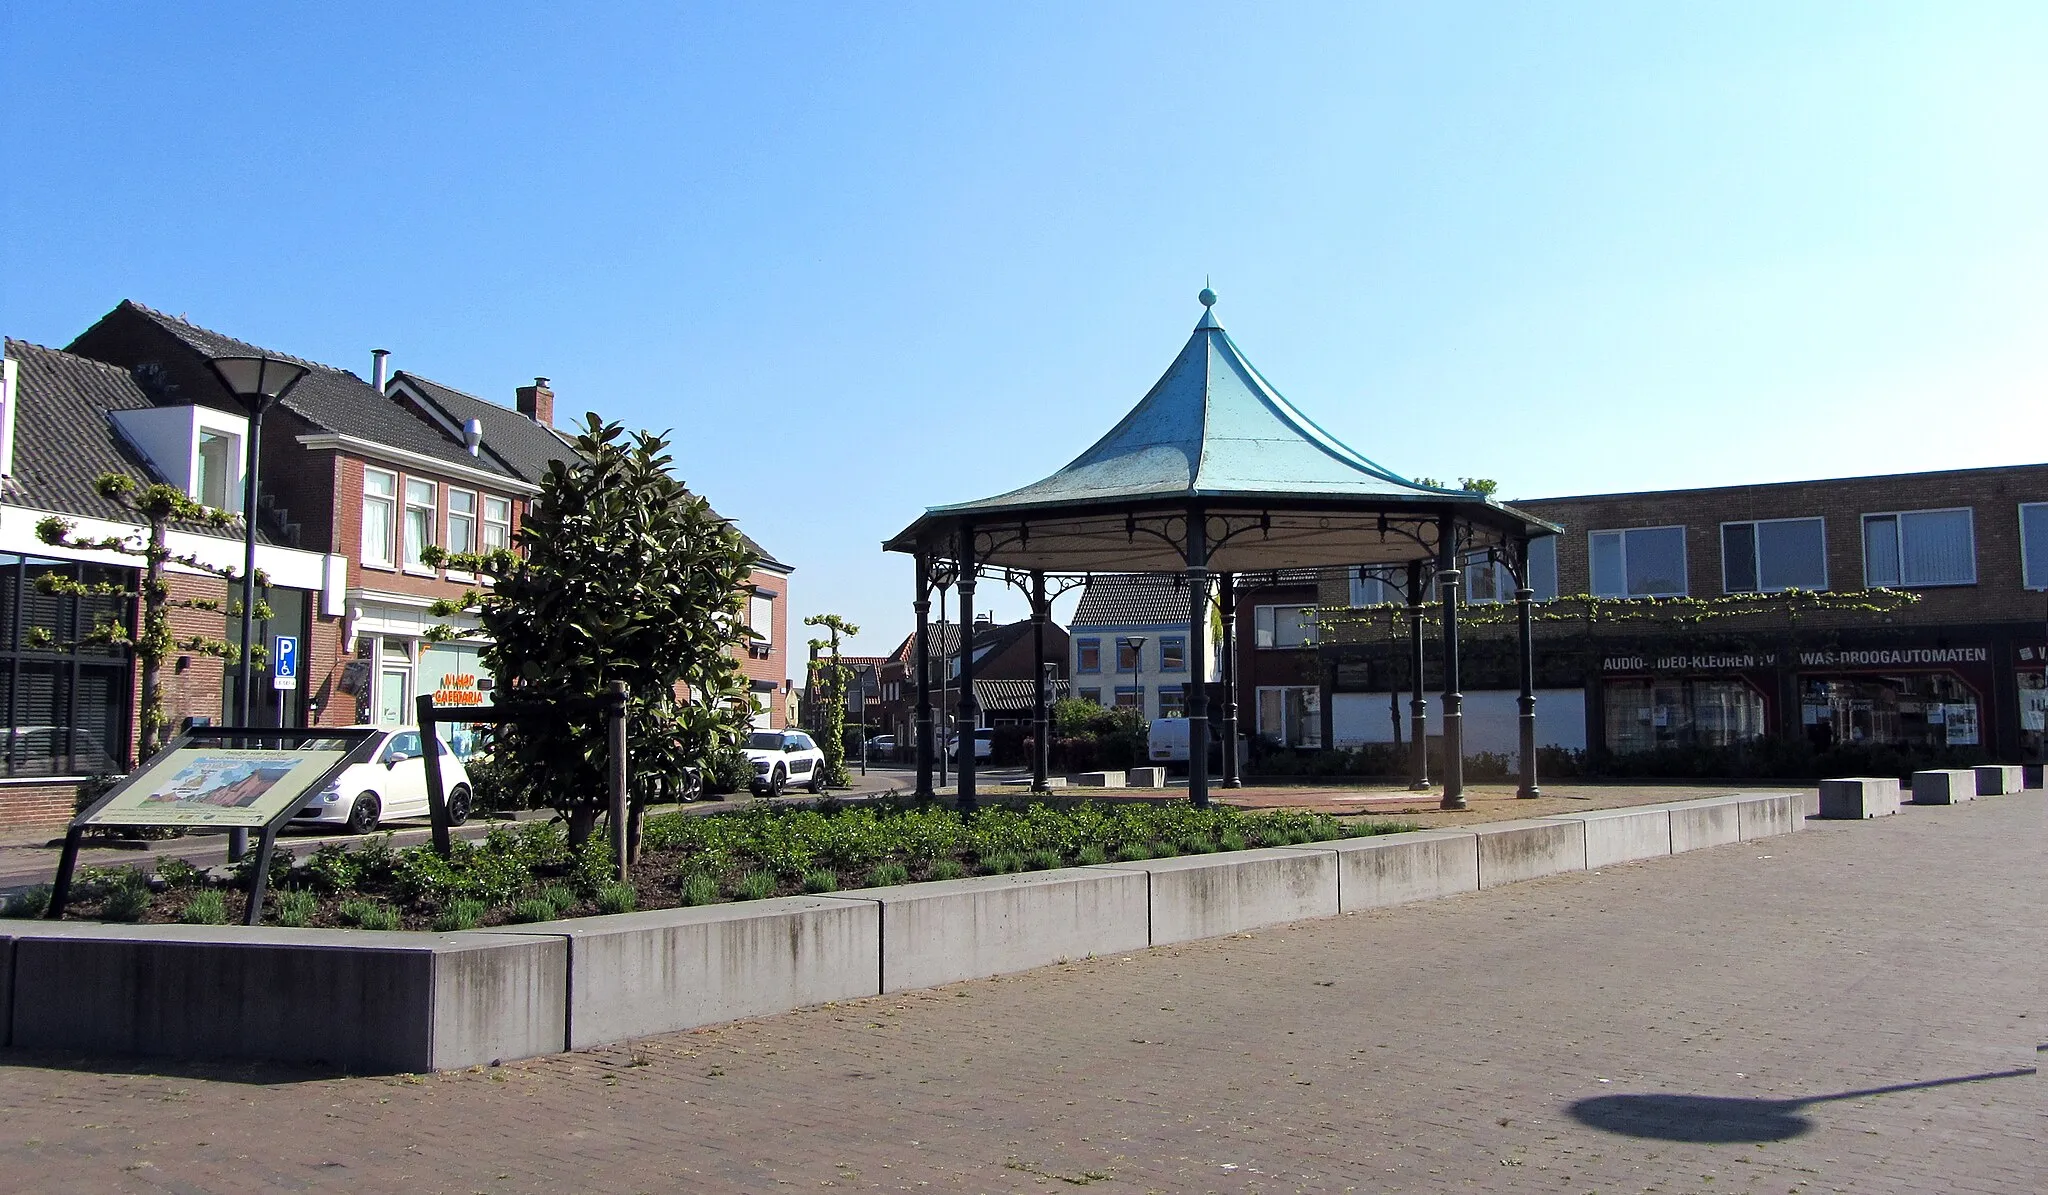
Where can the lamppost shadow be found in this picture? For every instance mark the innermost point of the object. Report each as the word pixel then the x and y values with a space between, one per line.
pixel 1729 1120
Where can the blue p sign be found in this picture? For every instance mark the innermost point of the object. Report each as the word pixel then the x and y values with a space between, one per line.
pixel 284 662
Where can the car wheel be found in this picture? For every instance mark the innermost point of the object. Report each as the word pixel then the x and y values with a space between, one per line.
pixel 363 815
pixel 817 778
pixel 458 806
pixel 775 783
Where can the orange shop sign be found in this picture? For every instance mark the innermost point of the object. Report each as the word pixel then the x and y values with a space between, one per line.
pixel 458 688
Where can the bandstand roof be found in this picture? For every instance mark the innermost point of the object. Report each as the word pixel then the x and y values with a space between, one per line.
pixel 1213 435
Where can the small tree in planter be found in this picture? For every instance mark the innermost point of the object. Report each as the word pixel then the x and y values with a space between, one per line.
pixel 157 506
pixel 622 575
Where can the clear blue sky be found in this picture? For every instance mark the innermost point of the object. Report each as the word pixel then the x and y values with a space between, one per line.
pixel 869 258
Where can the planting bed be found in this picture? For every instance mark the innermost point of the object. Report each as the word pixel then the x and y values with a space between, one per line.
pixel 526 873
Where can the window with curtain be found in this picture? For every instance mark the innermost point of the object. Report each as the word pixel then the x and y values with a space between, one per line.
pixel 1088 655
pixel 2034 545
pixel 461 521
pixel 1283 626
pixel 1773 555
pixel 419 520
pixel 1130 655
pixel 380 493
pixel 1639 562
pixel 1920 547
pixel 497 523
pixel 1173 653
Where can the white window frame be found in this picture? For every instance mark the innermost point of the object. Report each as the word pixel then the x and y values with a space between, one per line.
pixel 761 619
pixel 408 549
pixel 1899 530
pixel 2027 566
pixel 475 517
pixel 390 505
pixel 1756 551
pixel 485 523
pixel 1312 736
pixel 1265 624
pixel 1684 561
pixel 1548 591
pixel 1364 579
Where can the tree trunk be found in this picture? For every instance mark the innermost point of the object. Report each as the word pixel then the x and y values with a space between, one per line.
pixel 581 821
pixel 636 816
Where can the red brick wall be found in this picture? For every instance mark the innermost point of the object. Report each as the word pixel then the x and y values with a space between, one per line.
pixel 25 806
pixel 774 666
pixel 1994 495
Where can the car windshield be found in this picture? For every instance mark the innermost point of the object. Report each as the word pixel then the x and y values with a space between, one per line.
pixel 765 741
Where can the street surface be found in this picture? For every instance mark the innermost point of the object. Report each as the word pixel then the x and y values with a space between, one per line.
pixel 1697 1024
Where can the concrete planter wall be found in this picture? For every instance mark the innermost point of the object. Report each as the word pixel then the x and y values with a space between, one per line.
pixel 357 1000
pixel 408 1002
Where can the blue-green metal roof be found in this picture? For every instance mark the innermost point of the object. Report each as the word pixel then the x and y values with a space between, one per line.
pixel 1212 434
pixel 1212 426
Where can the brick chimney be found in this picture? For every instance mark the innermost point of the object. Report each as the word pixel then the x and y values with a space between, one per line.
pixel 537 402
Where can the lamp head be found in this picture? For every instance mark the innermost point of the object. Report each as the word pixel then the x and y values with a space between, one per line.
pixel 257 380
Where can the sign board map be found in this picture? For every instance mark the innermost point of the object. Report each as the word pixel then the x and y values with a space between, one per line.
pixel 206 785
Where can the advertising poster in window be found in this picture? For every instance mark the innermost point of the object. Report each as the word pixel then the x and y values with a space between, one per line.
pixel 218 786
pixel 1961 722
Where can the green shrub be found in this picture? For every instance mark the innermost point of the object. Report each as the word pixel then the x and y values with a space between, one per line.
pixel 1002 862
pixel 533 909
pixel 700 889
pixel 295 908
pixel 727 771
pixel 1195 844
pixel 1131 852
pixel 561 897
pixel 617 898
pixel 176 873
pixel 207 907
pixel 1044 860
pixel 33 901
pixel 127 896
pixel 368 914
pixel 1091 854
pixel 461 914
pixel 334 868
pixel 888 875
pixel 944 869
pixel 1230 840
pixel 821 881
pixel 755 885
pixel 1164 849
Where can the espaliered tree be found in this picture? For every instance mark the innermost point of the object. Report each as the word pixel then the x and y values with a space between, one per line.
pixel 157 507
pixel 621 574
pixel 832 727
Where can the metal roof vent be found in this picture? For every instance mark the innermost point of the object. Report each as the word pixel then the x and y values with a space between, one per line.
pixel 473 435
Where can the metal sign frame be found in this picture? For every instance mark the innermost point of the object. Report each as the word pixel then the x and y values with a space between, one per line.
pixel 360 741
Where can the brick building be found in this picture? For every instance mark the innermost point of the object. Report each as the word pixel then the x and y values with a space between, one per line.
pixel 358 478
pixel 1959 672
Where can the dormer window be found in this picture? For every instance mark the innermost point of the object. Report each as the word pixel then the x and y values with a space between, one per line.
pixel 220 459
pixel 197 449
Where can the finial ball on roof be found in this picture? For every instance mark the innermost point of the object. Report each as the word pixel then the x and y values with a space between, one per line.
pixel 1208 297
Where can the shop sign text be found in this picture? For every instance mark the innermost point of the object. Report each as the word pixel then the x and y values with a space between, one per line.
pixel 1703 663
pixel 1889 656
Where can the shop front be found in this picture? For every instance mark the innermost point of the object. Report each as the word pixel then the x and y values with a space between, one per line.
pixel 1914 698
pixel 397 657
pixel 2031 675
pixel 1652 702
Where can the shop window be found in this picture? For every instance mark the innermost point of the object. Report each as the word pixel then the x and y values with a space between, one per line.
pixel 1646 715
pixel 380 494
pixel 1173 653
pixel 67 706
pixel 1919 547
pixel 1291 715
pixel 1772 555
pixel 2033 690
pixel 1919 710
pixel 1130 697
pixel 1639 562
pixel 2034 544
pixel 1088 656
pixel 419 522
pixel 1173 702
pixel 1283 626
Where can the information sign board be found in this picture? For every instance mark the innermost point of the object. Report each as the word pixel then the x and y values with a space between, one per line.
pixel 209 785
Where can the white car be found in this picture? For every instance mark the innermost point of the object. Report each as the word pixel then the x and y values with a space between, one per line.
pixel 392 785
pixel 785 757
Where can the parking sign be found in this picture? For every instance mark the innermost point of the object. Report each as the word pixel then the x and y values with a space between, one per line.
pixel 284 662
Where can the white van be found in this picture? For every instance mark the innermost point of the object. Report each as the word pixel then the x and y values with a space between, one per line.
pixel 1168 741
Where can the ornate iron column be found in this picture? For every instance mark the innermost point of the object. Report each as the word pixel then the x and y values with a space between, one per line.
pixel 1418 704
pixel 923 606
pixel 1523 596
pixel 1227 584
pixel 970 709
pixel 1041 750
pixel 1198 658
pixel 1449 580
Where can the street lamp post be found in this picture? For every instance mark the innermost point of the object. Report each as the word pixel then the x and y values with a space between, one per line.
pixel 1137 646
pixel 256 382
